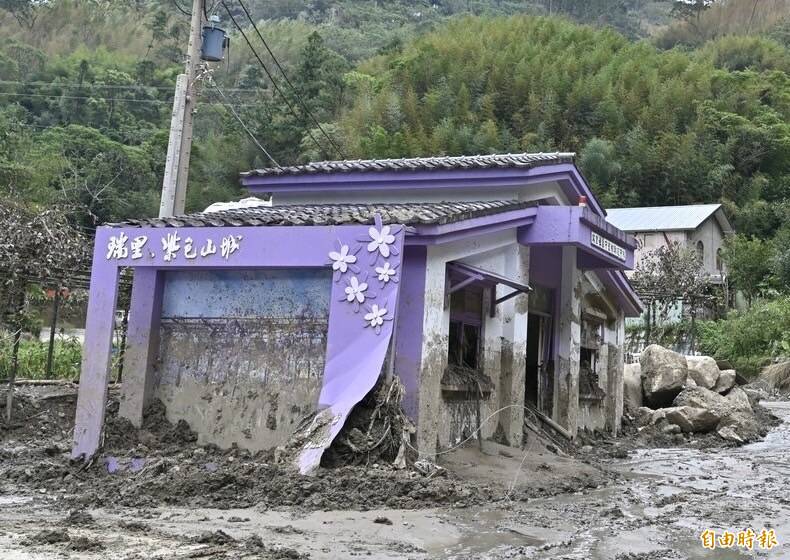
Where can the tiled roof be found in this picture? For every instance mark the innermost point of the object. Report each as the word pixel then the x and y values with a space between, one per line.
pixel 664 218
pixel 410 213
pixel 440 163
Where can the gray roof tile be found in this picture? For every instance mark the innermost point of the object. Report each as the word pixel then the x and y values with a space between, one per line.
pixel 411 213
pixel 440 163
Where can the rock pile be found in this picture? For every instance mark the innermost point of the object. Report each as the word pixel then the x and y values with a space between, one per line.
pixel 679 394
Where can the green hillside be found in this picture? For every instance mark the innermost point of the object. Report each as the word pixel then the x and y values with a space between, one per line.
pixel 86 92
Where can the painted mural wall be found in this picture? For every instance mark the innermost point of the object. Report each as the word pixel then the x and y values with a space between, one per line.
pixel 242 351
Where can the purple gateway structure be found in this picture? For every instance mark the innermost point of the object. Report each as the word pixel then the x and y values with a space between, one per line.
pixel 489 285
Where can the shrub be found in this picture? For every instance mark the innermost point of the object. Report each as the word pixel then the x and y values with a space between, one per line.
pixel 749 340
pixel 66 359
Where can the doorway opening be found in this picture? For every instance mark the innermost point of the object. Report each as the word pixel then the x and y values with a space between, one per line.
pixel 539 383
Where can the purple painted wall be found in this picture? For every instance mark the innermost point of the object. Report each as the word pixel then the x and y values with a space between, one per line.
pixel 366 265
pixel 408 331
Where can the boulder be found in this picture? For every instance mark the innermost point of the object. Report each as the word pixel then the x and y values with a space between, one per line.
pixel 704 399
pixel 756 391
pixel 703 370
pixel 740 427
pixel 725 382
pixel 657 415
pixel 692 419
pixel 664 373
pixel 739 400
pixel 671 429
pixel 643 416
pixel 632 386
pixel 689 383
pixel 700 397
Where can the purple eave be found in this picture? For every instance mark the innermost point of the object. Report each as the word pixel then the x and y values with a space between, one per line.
pixel 601 244
pixel 444 233
pixel 618 285
pixel 566 175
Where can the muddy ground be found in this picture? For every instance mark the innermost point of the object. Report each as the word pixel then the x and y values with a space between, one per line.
pixel 154 493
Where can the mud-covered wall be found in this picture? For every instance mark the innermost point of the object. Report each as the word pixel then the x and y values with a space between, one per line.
pixel 241 354
pixel 615 366
pixel 591 415
pixel 604 414
pixel 566 372
pixel 436 414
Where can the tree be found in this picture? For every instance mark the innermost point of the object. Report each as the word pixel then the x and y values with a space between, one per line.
pixel 35 246
pixel 748 261
pixel 690 11
pixel 598 161
pixel 781 259
pixel 23 10
pixel 669 275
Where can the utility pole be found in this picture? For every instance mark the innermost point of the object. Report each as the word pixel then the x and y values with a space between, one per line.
pixel 179 147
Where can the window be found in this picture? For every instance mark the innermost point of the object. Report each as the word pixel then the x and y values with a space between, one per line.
pixel 719 261
pixel 700 250
pixel 466 326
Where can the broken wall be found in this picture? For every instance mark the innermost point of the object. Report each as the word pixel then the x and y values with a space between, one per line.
pixel 241 355
pixel 600 409
pixel 444 415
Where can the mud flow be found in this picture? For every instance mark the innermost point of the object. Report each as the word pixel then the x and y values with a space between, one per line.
pixel 157 493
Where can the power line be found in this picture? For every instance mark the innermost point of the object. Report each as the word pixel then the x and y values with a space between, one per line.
pixel 288 81
pixel 180 9
pixel 122 100
pixel 244 126
pixel 58 96
pixel 136 87
pixel 266 70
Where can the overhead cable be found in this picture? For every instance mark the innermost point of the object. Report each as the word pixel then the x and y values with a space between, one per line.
pixel 268 74
pixel 288 81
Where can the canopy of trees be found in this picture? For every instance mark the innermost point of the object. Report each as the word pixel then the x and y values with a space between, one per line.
pixel 86 92
pixel 651 127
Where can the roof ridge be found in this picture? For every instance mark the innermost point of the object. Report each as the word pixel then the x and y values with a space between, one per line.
pixel 667 206
pixel 408 213
pixel 420 163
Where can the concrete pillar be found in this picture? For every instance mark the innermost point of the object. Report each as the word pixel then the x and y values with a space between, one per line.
pixel 408 329
pixel 435 331
pixel 142 343
pixel 514 313
pixel 493 345
pixel 614 388
pixel 96 354
pixel 566 373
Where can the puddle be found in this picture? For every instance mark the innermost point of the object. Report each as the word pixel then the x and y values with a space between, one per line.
pixel 486 531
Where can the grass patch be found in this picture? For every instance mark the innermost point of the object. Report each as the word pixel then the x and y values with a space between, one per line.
pixel 66 359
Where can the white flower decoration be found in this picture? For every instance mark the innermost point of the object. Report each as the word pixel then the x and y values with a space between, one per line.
pixel 385 272
pixel 341 260
pixel 381 241
pixel 375 318
pixel 355 291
